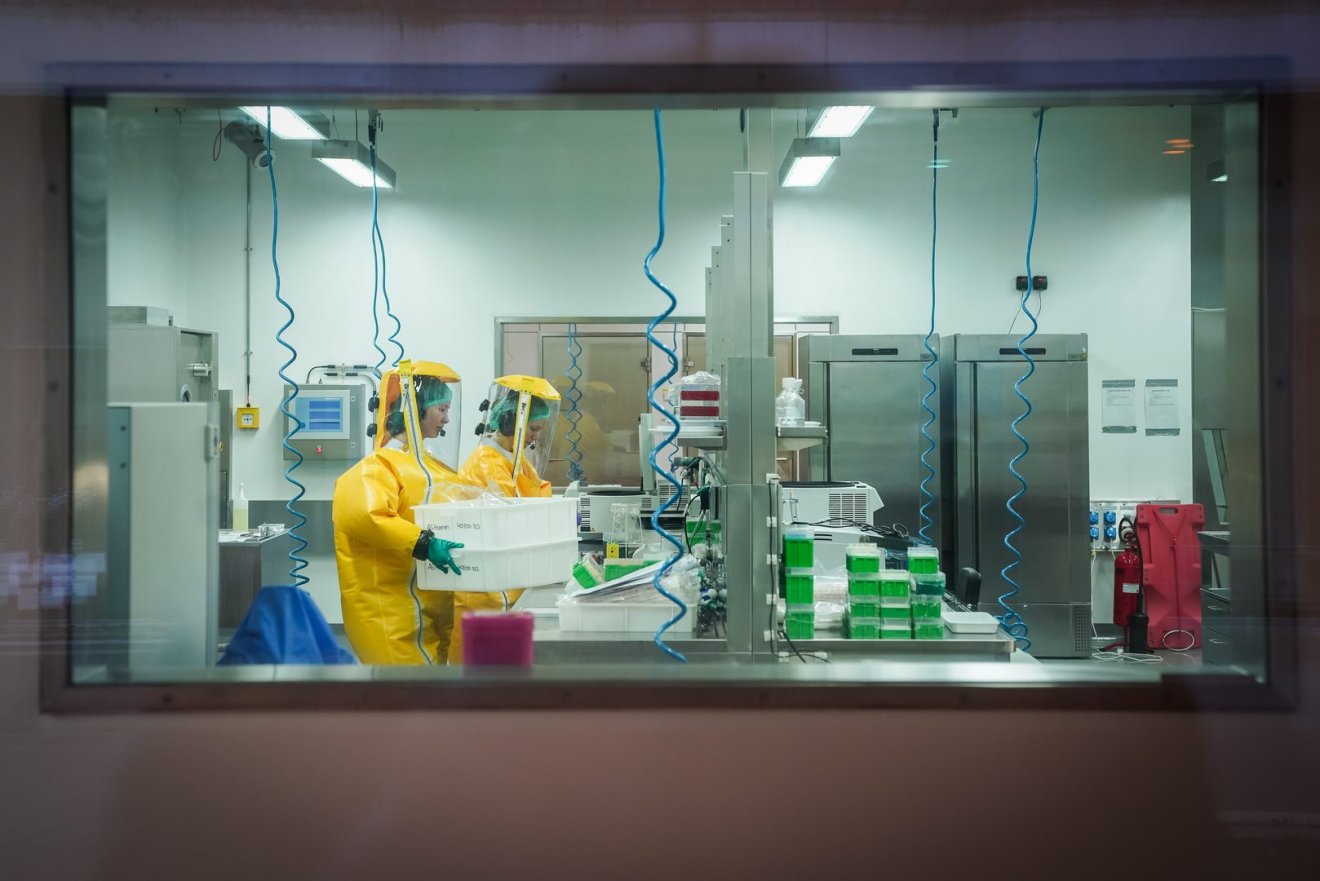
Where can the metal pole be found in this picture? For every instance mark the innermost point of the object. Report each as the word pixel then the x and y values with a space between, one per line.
pixel 247 296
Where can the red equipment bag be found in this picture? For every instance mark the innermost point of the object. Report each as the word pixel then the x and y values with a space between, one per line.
pixel 1171 573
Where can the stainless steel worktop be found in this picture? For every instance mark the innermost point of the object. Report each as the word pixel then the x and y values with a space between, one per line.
pixel 555 646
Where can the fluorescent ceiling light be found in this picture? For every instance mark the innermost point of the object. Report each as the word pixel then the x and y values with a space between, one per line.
pixel 939 163
pixel 351 160
pixel 839 122
pixel 807 161
pixel 290 125
pixel 1223 178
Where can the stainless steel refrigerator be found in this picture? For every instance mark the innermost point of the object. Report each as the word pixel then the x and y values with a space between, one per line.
pixel 867 390
pixel 978 373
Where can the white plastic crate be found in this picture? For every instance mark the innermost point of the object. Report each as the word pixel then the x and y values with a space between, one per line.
pixel 503 568
pixel 970 622
pixel 605 617
pixel 483 524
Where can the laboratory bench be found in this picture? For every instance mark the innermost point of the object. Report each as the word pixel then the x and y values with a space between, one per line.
pixel 555 646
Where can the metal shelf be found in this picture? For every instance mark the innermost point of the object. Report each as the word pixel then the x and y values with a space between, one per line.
pixel 703 441
pixel 790 440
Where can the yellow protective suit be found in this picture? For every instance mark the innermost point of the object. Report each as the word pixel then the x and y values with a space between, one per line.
pixel 490 469
pixel 387 618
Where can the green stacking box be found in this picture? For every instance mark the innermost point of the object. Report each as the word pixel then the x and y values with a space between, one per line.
pixel 862 628
pixel 620 569
pixel 928 584
pixel 895 583
pixel 923 560
pixel 799 550
pixel 799 588
pixel 863 558
pixel 926 607
pixel 928 628
pixel 864 607
pixel 800 623
pixel 864 584
pixel 893 631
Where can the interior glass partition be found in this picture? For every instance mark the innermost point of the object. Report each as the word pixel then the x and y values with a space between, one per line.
pixel 1151 257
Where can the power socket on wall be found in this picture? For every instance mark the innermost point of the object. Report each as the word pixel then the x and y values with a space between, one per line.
pixel 1105 516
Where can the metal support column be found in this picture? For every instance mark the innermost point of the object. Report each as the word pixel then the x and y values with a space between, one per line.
pixel 741 352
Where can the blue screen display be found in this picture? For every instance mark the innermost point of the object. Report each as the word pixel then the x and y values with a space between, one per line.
pixel 320 414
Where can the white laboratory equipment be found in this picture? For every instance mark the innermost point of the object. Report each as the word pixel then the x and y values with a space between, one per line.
pixel 162 557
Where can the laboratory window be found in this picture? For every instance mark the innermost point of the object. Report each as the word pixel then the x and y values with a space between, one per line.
pixel 789 397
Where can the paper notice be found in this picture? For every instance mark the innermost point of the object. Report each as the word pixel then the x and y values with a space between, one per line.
pixel 1162 408
pixel 1118 406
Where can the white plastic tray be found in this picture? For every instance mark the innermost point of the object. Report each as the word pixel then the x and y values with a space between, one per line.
pixel 488 571
pixel 601 617
pixel 970 622
pixel 497 524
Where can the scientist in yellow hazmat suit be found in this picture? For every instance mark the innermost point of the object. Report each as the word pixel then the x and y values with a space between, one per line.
pixel 388 619
pixel 509 460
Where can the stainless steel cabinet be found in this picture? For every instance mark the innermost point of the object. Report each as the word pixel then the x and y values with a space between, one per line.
pixel 867 391
pixel 980 404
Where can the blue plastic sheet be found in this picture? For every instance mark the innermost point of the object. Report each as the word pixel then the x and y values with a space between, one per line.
pixel 284 626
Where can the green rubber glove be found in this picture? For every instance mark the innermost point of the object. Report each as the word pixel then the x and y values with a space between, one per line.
pixel 438 552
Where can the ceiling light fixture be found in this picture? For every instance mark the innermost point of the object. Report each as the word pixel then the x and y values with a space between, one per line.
pixel 838 122
pixel 292 125
pixel 351 160
pixel 807 161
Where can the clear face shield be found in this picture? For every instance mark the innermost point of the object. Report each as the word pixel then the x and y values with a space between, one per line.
pixel 521 421
pixel 420 409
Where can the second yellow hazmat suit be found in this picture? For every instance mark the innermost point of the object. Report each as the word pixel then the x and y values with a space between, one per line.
pixel 516 436
pixel 389 620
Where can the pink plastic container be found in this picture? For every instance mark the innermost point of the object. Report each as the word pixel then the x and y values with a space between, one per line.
pixel 497 638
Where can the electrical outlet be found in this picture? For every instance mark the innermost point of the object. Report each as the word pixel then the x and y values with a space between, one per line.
pixel 1102 524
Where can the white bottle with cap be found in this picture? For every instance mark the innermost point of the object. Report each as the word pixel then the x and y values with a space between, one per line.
pixel 790 408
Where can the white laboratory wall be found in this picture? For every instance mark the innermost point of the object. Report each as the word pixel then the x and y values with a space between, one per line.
pixel 1112 236
pixel 550 213
pixel 496 214
pixel 146 261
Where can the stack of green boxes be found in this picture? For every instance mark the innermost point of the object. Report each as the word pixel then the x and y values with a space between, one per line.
pixel 927 593
pixel 799 584
pixel 895 605
pixel 864 564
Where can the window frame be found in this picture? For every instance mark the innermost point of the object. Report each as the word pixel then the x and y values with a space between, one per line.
pixel 670 86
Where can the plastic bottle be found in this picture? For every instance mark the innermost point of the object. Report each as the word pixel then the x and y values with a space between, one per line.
pixel 790 408
pixel 240 519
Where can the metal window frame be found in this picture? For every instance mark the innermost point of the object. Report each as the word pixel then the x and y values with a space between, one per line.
pixel 501 322
pixel 71 385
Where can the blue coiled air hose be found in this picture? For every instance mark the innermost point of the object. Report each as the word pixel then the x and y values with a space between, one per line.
pixel 1013 622
pixel 673 418
pixel 378 243
pixel 297 562
pixel 573 395
pixel 928 498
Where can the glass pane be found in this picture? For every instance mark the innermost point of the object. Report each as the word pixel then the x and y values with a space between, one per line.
pixel 613 388
pixel 1052 528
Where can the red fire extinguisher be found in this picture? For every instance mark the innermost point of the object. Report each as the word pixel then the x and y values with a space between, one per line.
pixel 1127 575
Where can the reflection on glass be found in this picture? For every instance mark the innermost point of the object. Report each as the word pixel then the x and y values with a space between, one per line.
pixel 549 212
